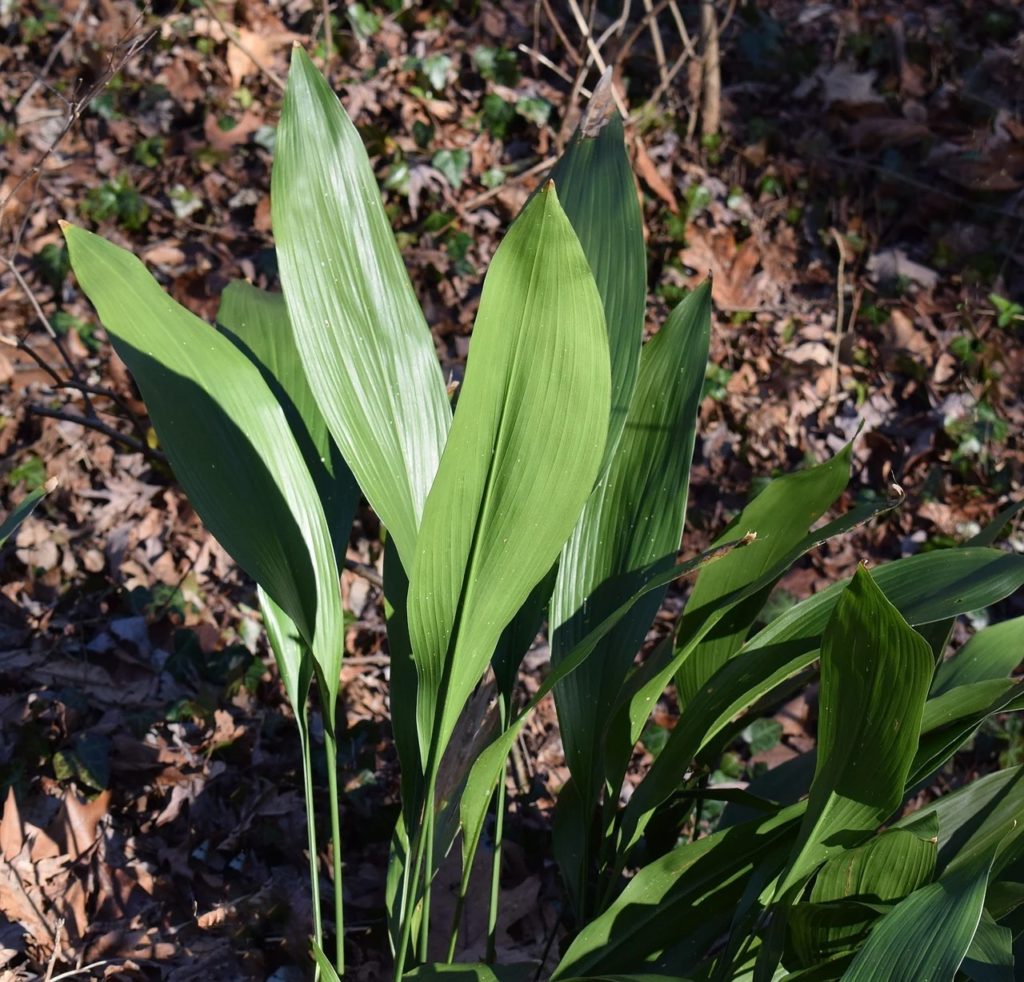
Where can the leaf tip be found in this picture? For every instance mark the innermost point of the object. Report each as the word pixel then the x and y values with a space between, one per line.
pixel 601 109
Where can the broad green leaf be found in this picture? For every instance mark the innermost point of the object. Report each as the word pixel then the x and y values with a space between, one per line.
pixel 782 516
pixel 875 673
pixel 228 441
pixel 983 815
pixel 883 870
pixel 733 687
pixel 927 935
pixel 930 587
pixel 365 346
pixel 990 956
pixel 992 653
pixel 682 901
pixel 490 764
pixel 520 461
pixel 24 508
pixel 598 194
pixel 633 519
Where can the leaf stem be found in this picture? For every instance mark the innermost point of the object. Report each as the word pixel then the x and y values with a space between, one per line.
pixel 428 832
pixel 499 824
pixel 331 748
pixel 314 864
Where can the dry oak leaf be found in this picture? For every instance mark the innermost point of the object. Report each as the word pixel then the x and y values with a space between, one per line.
pixel 253 50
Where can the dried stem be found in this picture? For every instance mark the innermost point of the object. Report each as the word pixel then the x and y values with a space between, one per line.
pixel 711 101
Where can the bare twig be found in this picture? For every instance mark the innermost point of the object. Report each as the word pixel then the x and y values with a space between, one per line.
pixel 475 202
pixel 624 49
pixel 100 427
pixel 84 970
pixel 570 48
pixel 594 48
pixel 538 56
pixel 659 49
pixel 840 312
pixel 54 336
pixel 123 53
pixel 366 571
pixel 55 954
pixel 52 57
pixel 684 34
pixel 232 35
pixel 328 47
pixel 711 98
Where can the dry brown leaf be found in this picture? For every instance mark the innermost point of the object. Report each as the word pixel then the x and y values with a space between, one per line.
pixel 260 45
pixel 12 837
pixel 651 176
pixel 81 821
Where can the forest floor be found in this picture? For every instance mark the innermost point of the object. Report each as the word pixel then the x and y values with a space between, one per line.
pixel 860 204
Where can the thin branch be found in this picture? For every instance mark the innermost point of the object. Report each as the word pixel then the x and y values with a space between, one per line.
pixel 52 57
pixel 328 44
pixel 366 571
pixel 659 49
pixel 684 34
pixel 45 321
pixel 623 53
pixel 840 312
pixel 232 35
pixel 570 48
pixel 99 427
pixel 538 56
pixel 475 202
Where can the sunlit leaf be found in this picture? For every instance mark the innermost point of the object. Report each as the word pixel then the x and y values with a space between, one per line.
pixel 520 461
pixel 875 673
pixel 228 441
pixel 364 344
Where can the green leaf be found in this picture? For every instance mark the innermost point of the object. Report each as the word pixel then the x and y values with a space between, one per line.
pixel 324 964
pixel 598 193
pixel 368 354
pixel 228 441
pixel 977 818
pixel 258 323
pixel 990 956
pixel 883 870
pixel 927 935
pixel 686 898
pixel 875 673
pixel 735 686
pixel 781 515
pixel 992 653
pixel 952 717
pixel 476 973
pixel 23 509
pixel 521 458
pixel 633 519
pixel 490 764
pixel 453 164
pixel 291 655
